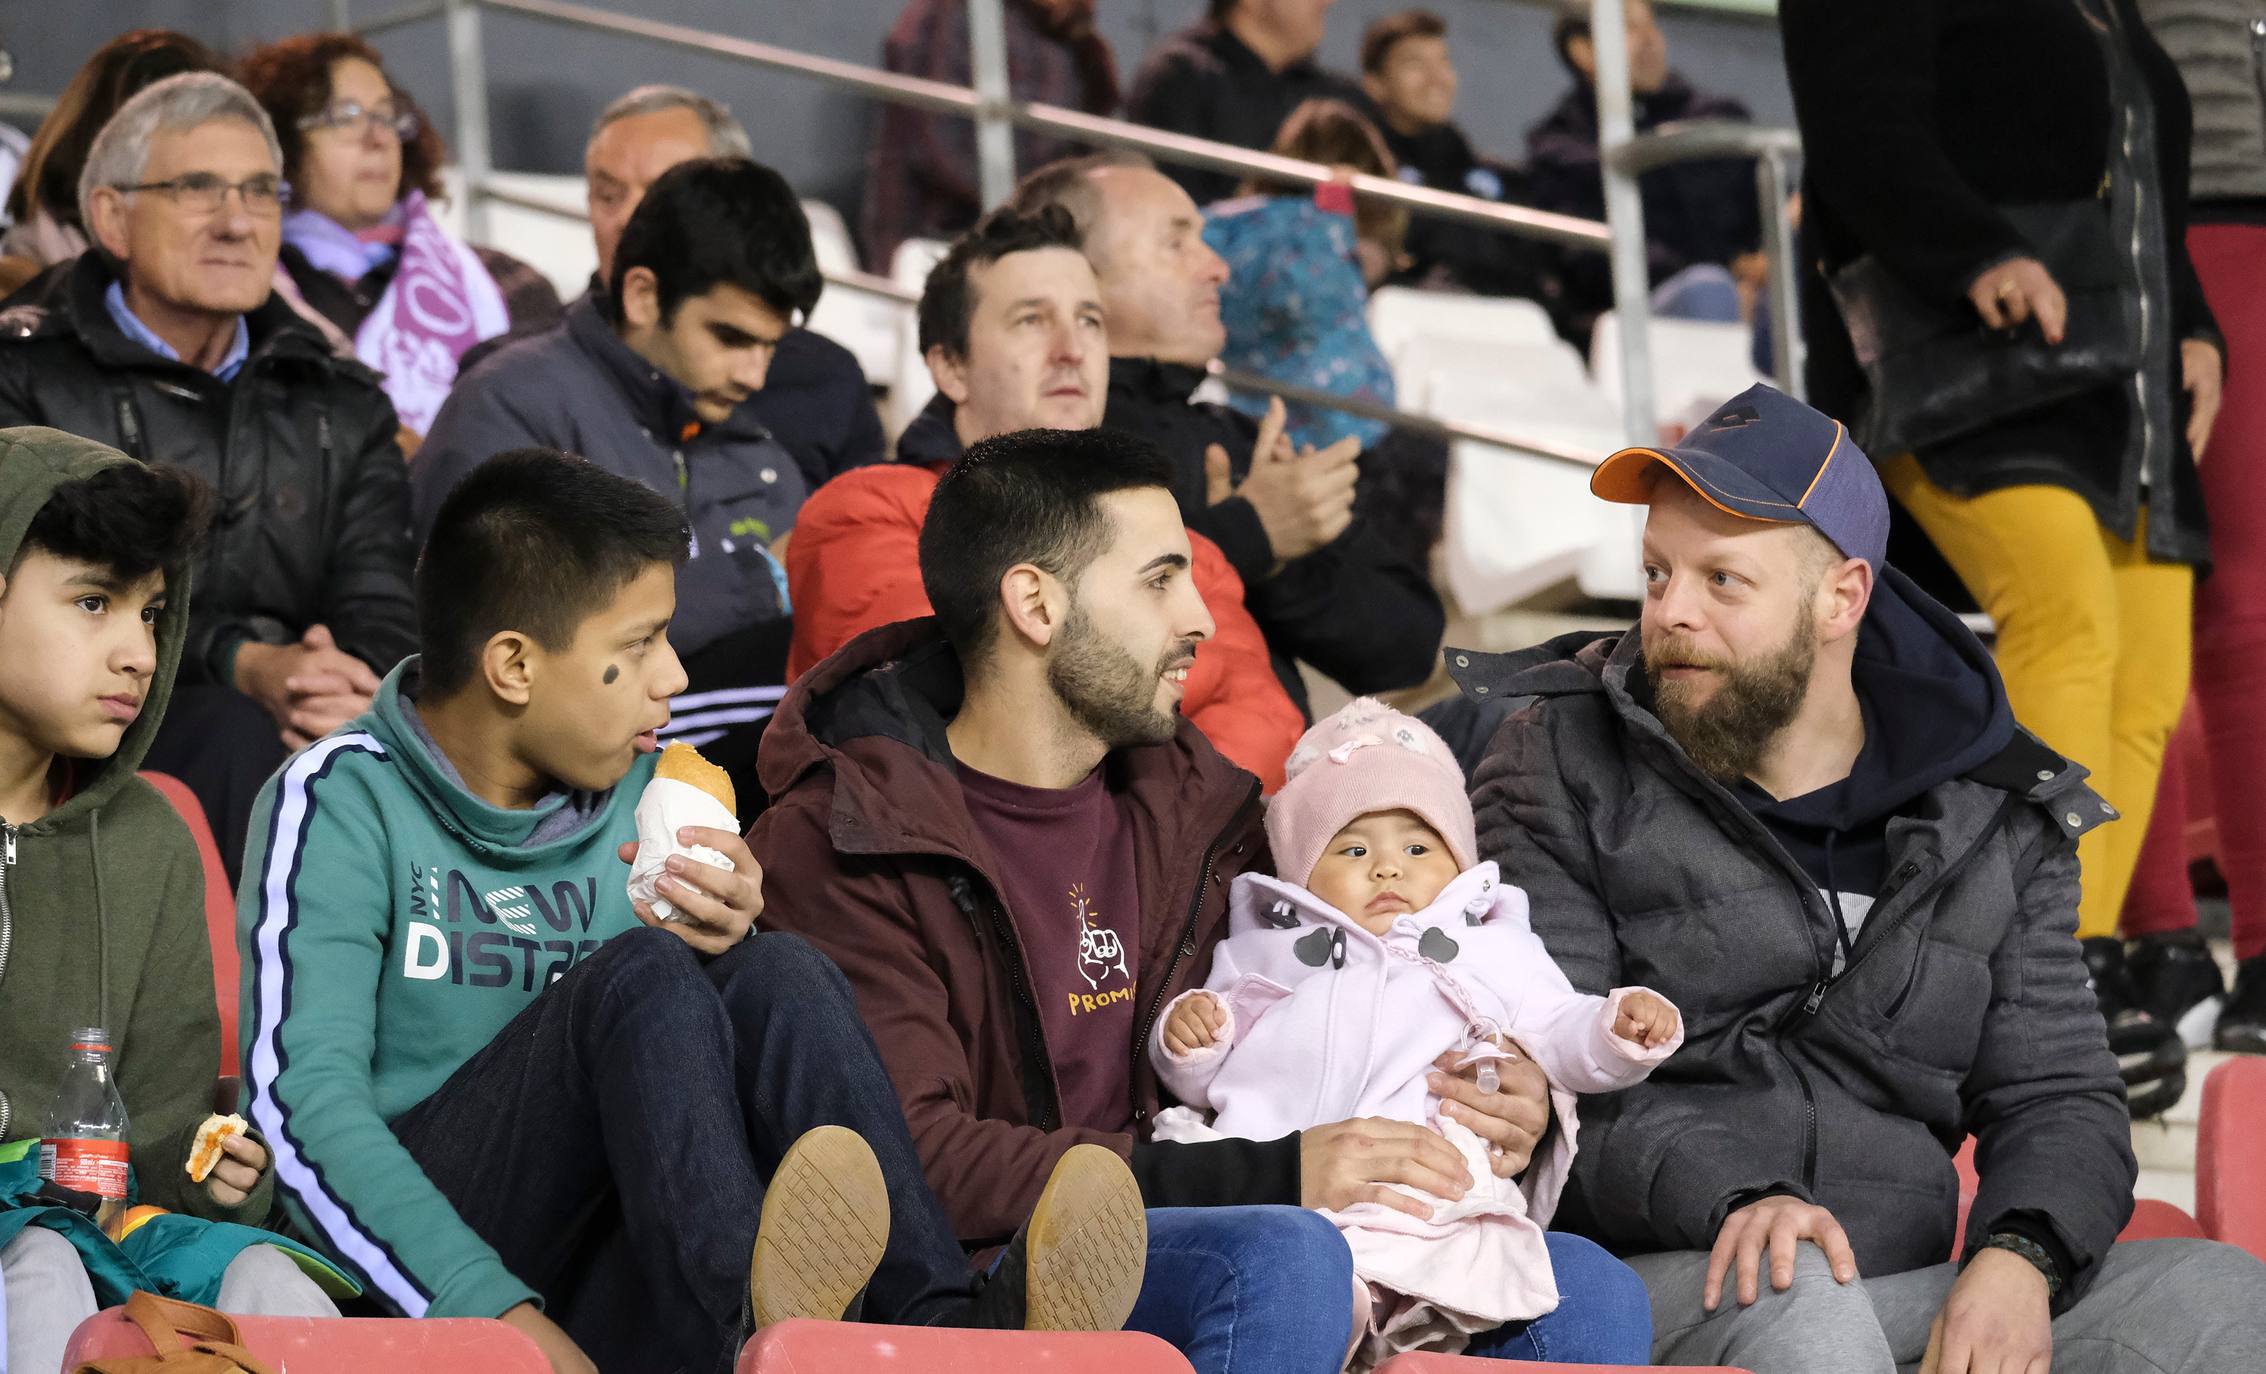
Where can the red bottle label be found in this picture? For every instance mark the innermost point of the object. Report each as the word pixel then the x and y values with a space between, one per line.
pixel 90 1166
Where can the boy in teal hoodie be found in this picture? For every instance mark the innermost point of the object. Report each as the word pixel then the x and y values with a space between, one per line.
pixel 102 890
pixel 495 1087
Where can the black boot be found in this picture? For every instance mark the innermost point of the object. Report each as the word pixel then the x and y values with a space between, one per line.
pixel 2242 1026
pixel 2150 1057
pixel 2176 980
pixel 1077 1264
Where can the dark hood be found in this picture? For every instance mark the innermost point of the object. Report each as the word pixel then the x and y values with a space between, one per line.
pixel 930 439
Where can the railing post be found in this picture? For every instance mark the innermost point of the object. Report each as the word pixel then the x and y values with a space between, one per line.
pixel 1788 348
pixel 468 83
pixel 995 134
pixel 1624 214
pixel 341 19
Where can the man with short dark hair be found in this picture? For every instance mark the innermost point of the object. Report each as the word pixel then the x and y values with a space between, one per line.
pixel 1702 222
pixel 1797 797
pixel 1318 575
pixel 997 824
pixel 1234 76
pixel 1409 74
pixel 649 379
pixel 167 342
pixel 498 1086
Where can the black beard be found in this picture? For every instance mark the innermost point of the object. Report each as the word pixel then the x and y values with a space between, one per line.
pixel 1727 736
pixel 1106 691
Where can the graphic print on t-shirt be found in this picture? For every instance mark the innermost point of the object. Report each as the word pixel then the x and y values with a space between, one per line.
pixel 1101 958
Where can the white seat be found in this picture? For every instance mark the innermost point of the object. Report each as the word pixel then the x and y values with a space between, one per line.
pixel 1399 315
pixel 558 245
pixel 910 386
pixel 865 324
pixel 830 237
pixel 1696 365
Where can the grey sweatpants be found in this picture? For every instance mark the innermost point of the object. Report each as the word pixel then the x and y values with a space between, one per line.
pixel 47 1295
pixel 2156 1307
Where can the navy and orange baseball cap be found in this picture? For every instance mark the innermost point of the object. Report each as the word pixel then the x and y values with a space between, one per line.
pixel 1765 456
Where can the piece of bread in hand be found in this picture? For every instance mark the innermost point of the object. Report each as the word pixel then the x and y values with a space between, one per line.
pixel 683 763
pixel 211 1136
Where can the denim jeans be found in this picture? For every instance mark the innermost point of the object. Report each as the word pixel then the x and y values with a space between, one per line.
pixel 613 1141
pixel 1248 1290
pixel 1603 1314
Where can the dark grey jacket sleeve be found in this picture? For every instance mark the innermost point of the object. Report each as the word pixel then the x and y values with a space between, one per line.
pixel 2044 1101
pixel 475 423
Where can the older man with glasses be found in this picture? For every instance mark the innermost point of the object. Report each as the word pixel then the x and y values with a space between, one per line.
pixel 167 342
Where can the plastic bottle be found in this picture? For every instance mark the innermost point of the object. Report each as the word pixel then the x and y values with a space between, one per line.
pixel 83 1145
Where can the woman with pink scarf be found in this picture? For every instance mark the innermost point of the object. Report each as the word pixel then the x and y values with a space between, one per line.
pixel 362 249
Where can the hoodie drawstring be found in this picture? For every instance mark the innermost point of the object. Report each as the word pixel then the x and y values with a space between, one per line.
pixel 101 922
pixel 1844 942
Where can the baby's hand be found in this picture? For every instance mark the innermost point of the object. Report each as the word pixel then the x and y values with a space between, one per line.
pixel 1645 1019
pixel 1195 1024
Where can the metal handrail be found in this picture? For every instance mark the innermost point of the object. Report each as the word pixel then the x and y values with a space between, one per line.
pixel 1693 140
pixel 1180 149
pixel 1447 431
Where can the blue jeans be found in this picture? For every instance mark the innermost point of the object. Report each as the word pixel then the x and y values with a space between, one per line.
pixel 1248 1290
pixel 1604 1315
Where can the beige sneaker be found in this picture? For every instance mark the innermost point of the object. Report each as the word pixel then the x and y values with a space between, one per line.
pixel 825 1223
pixel 1085 1247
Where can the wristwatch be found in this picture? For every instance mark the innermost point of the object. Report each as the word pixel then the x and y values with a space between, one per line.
pixel 2016 1243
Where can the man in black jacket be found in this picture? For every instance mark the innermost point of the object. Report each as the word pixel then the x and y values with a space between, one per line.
pixel 1319 579
pixel 166 342
pixel 1797 802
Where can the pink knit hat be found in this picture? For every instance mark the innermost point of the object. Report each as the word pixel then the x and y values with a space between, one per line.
pixel 1368 757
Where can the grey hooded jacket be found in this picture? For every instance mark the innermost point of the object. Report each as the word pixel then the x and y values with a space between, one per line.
pixel 1964 1009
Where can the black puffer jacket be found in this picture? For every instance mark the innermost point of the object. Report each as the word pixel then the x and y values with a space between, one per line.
pixel 313 498
pixel 1963 1008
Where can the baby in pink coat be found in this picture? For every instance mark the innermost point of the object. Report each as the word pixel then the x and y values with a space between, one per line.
pixel 1330 1000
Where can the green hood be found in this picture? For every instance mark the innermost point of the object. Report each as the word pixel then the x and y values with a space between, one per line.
pixel 33 462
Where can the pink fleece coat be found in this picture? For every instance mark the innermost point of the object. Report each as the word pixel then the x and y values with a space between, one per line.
pixel 1327 1022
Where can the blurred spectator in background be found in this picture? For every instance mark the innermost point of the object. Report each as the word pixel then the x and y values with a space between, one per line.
pixel 815 400
pixel 1234 76
pixel 43 200
pixel 650 379
pixel 1410 75
pixel 1702 222
pixel 1301 260
pixel 1323 583
pixel 361 245
pixel 921 177
pixel 2218 46
pixel 170 344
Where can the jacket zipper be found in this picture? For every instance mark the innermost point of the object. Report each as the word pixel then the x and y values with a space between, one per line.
pixel 1942 880
pixel 1185 949
pixel 1040 1067
pixel 7 934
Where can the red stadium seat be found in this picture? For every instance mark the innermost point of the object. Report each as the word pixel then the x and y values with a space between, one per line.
pixel 814 1347
pixel 2230 1189
pixel 2151 1219
pixel 340 1345
pixel 220 910
pixel 1465 1364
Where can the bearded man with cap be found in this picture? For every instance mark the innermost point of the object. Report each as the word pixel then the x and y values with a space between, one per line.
pixel 1796 803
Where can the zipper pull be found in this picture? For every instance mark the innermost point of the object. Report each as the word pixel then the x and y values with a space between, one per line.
pixel 1817 997
pixel 9 833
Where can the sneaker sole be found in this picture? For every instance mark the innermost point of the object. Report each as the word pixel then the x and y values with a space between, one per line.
pixel 2198 1023
pixel 825 1223
pixel 1087 1245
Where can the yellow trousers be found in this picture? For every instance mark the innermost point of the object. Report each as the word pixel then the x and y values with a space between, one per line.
pixel 2093 641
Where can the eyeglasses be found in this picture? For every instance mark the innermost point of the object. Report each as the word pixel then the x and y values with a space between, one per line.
pixel 205 192
pixel 394 115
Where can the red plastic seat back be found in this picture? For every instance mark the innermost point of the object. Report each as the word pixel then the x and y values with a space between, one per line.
pixel 340 1345
pixel 220 910
pixel 814 1347
pixel 1465 1364
pixel 2151 1219
pixel 2230 1188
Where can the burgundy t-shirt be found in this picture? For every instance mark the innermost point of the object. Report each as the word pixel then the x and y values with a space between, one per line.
pixel 1065 858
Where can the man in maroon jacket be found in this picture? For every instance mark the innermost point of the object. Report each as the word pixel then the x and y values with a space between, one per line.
pixel 996 822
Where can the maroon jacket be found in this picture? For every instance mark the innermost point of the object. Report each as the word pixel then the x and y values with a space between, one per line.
pixel 868 851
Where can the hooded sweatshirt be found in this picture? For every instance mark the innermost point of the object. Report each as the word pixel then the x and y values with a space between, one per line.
pixel 392 923
pixel 102 906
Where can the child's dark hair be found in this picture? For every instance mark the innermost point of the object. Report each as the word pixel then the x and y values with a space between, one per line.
pixel 537 541
pixel 1030 497
pixel 719 221
pixel 128 518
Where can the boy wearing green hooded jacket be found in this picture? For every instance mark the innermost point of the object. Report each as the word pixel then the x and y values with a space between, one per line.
pixel 102 893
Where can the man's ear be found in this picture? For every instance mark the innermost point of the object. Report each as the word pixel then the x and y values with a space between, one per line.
pixel 1374 89
pixel 507 663
pixel 1034 604
pixel 1843 595
pixel 107 205
pixel 641 298
pixel 949 373
pixel 1583 54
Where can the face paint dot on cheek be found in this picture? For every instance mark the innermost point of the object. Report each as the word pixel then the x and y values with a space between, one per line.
pixel 613 671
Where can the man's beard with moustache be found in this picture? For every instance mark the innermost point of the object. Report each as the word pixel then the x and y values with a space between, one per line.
pixel 1107 691
pixel 1727 734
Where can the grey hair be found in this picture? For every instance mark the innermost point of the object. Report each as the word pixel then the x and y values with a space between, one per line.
pixel 120 153
pixel 726 138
